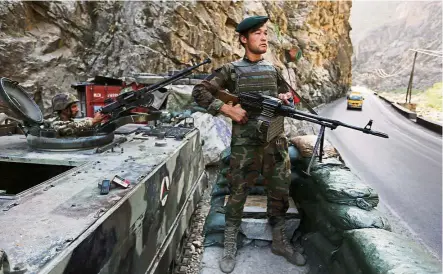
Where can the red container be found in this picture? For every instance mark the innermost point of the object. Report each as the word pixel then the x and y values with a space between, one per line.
pixel 96 96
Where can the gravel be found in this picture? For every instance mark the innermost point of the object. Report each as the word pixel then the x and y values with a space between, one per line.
pixel 189 260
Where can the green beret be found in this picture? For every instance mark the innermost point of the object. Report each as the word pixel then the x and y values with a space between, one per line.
pixel 250 22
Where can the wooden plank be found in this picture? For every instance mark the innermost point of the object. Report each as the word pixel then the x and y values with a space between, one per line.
pixel 255 207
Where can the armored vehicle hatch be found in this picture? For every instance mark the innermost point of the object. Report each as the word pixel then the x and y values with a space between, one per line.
pixel 30 117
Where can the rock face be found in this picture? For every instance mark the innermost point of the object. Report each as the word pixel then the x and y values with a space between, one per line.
pixel 414 25
pixel 49 45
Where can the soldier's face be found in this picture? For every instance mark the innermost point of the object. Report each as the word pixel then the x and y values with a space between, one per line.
pixel 257 41
pixel 74 110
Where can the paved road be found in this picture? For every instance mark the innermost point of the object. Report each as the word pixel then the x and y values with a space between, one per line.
pixel 406 169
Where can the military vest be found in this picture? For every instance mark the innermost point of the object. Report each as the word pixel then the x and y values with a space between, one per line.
pixel 260 77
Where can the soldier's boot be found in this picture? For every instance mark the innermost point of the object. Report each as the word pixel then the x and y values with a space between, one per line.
pixel 227 263
pixel 281 246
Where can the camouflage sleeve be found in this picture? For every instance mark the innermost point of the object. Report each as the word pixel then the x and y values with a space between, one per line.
pixel 68 128
pixel 203 93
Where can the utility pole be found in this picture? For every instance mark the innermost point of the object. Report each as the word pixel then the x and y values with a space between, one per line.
pixel 409 90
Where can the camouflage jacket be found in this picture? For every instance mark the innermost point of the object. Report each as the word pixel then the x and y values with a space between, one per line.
pixel 222 78
pixel 225 77
pixel 68 128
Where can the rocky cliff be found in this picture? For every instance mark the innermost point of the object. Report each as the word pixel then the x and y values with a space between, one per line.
pixel 413 25
pixel 47 46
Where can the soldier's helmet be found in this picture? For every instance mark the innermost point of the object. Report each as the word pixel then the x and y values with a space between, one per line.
pixel 62 101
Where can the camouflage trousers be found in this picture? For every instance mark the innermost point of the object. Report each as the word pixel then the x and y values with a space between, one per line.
pixel 246 164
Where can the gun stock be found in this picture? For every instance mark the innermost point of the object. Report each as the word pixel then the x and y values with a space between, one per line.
pixel 226 97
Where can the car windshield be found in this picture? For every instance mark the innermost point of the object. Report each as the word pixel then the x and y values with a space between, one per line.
pixel 355 97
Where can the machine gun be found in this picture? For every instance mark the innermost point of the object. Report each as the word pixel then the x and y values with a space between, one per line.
pixel 118 110
pixel 272 111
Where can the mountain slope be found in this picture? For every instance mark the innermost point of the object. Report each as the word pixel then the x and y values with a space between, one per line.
pixel 414 25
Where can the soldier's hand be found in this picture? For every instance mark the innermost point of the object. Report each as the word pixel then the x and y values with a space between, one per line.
pixel 98 117
pixel 285 97
pixel 236 113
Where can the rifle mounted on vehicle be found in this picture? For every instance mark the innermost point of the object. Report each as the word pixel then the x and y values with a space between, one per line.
pixel 120 107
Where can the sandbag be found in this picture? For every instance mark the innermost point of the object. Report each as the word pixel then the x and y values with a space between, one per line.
pixel 302 189
pixel 301 164
pixel 295 177
pixel 345 217
pixel 374 251
pixel 214 226
pixel 215 221
pixel 220 188
pixel 315 221
pixel 323 247
pixel 222 191
pixel 306 143
pixel 341 186
pixel 332 220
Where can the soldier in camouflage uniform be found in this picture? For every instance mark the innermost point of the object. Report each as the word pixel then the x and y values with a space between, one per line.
pixel 250 156
pixel 66 107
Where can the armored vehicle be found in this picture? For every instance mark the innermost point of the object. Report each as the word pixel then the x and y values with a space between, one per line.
pixel 117 201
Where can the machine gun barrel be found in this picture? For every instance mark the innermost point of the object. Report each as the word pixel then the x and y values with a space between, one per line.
pixel 330 123
pixel 174 77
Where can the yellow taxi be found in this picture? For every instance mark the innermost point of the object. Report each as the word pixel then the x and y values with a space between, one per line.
pixel 355 100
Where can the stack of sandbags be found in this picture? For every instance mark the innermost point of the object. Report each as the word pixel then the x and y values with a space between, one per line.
pixel 342 223
pixel 374 251
pixel 332 220
pixel 333 199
